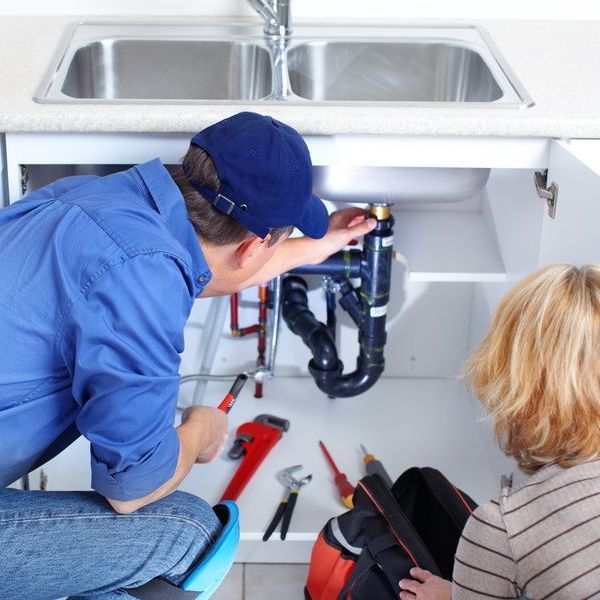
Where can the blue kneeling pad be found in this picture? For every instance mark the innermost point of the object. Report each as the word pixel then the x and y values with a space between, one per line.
pixel 210 572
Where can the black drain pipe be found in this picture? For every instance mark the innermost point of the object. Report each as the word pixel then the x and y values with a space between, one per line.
pixel 302 322
pixel 366 305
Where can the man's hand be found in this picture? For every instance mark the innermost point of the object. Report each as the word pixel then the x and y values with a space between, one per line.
pixel 208 426
pixel 344 227
pixel 202 434
pixel 425 586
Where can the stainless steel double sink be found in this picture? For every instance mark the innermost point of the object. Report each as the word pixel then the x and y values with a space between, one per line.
pixel 320 65
pixel 162 63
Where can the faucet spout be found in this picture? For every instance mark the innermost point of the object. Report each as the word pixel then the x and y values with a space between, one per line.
pixel 276 15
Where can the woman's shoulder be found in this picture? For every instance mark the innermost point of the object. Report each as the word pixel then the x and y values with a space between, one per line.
pixel 551 488
pixel 553 500
pixel 545 518
pixel 549 479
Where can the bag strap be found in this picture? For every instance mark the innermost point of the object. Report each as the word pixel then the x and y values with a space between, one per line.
pixel 333 526
pixel 384 549
pixel 364 564
pixel 380 553
pixel 380 496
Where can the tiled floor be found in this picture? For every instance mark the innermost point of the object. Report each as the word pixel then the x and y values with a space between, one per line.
pixel 263 582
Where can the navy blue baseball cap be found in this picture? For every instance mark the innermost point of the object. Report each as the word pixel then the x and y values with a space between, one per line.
pixel 266 175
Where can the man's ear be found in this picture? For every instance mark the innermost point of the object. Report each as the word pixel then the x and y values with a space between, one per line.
pixel 249 249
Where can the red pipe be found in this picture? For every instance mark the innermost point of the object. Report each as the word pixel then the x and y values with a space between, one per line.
pixel 233 314
pixel 236 331
pixel 260 328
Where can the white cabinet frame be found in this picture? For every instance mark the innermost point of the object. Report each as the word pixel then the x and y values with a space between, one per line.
pixel 504 224
pixel 365 150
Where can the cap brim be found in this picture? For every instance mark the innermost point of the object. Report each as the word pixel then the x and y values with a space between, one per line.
pixel 315 220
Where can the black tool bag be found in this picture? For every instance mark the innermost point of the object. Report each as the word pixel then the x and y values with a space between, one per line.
pixel 363 553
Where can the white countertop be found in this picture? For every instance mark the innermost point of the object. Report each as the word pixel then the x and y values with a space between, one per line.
pixel 558 63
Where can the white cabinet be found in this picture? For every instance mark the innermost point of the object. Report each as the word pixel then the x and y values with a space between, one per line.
pixel 574 234
pixel 461 258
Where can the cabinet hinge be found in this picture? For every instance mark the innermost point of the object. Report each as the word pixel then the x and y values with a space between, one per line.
pixel 24 179
pixel 43 480
pixel 545 192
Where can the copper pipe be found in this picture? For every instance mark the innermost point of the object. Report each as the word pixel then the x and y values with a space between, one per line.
pixel 248 330
pixel 233 314
pixel 236 330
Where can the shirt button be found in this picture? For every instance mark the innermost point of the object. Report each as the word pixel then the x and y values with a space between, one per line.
pixel 202 279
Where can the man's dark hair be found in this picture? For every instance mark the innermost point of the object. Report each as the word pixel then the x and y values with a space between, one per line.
pixel 210 224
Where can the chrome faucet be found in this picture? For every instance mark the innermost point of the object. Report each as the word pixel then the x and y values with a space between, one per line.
pixel 276 15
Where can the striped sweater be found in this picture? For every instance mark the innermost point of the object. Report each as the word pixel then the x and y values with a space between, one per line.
pixel 540 541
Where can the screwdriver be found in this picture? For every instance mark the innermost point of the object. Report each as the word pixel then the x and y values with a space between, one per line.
pixel 373 465
pixel 344 487
pixel 229 400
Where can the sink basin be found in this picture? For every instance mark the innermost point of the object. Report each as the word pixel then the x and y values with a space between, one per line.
pixel 397 185
pixel 212 63
pixel 118 69
pixel 390 72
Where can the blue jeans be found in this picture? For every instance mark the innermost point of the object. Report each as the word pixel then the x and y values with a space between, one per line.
pixel 55 544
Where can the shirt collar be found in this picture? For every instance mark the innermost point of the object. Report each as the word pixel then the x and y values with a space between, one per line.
pixel 171 206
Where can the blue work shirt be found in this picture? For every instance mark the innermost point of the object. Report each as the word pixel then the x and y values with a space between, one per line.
pixel 97 279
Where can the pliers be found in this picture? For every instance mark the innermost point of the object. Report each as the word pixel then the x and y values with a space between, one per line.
pixel 286 506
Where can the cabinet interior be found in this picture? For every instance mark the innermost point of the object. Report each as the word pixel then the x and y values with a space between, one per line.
pixel 461 259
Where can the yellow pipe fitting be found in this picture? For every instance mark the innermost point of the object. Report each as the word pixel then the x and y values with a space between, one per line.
pixel 380 211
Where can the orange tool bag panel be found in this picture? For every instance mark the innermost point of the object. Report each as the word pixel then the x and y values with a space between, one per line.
pixel 365 552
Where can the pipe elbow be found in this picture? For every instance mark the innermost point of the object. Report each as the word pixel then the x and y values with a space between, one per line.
pixel 322 346
pixel 338 385
pixel 351 384
pixel 302 322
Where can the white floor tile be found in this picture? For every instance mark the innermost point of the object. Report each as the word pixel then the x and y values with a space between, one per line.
pixel 233 586
pixel 274 581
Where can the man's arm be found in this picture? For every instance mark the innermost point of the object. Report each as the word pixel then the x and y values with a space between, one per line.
pixel 344 226
pixel 202 433
pixel 122 342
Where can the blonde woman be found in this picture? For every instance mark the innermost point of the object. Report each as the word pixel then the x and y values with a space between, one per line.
pixel 537 372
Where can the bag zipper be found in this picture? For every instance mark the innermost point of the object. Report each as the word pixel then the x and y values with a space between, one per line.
pixel 457 492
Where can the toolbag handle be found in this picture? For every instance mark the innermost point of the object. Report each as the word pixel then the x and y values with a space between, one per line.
pixel 374 490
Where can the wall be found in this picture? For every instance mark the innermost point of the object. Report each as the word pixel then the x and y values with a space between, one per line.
pixel 459 9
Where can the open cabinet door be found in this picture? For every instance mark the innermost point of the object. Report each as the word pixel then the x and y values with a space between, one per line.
pixel 574 234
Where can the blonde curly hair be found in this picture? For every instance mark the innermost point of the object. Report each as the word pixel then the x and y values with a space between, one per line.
pixel 537 371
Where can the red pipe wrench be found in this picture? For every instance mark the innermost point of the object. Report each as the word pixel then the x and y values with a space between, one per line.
pixel 253 442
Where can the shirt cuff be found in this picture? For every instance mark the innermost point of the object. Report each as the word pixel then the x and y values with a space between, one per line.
pixel 141 478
